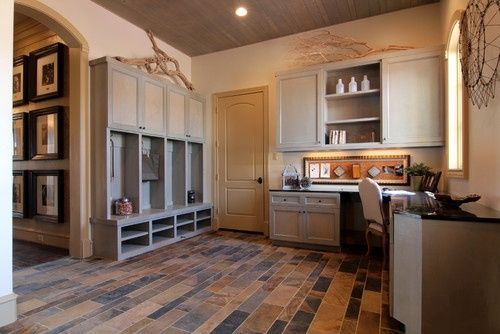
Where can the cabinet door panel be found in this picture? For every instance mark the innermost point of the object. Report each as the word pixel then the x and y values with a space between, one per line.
pixel 322 227
pixel 153 117
pixel 298 110
pixel 412 99
pixel 176 122
pixel 124 100
pixel 286 224
pixel 196 120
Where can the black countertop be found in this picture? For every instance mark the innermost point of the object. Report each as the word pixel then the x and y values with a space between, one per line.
pixel 421 205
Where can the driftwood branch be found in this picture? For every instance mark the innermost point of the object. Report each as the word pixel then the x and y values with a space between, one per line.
pixel 325 46
pixel 159 63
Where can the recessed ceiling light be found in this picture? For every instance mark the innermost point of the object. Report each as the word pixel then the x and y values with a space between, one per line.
pixel 241 11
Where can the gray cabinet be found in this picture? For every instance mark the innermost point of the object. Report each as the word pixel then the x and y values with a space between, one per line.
pixel 123 88
pixel 412 99
pixel 153 115
pixel 299 110
pixel 311 218
pixel 185 116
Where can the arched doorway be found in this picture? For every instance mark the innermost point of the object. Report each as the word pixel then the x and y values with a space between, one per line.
pixel 79 140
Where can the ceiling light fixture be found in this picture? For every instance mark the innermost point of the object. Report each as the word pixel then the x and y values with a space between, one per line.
pixel 241 11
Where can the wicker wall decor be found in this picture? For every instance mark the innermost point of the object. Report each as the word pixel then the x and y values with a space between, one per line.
pixel 480 49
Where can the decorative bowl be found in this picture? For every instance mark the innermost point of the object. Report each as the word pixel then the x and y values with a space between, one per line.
pixel 448 200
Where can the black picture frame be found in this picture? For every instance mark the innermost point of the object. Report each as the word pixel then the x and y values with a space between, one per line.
pixel 20 200
pixel 20 142
pixel 20 78
pixel 47 72
pixel 51 136
pixel 47 200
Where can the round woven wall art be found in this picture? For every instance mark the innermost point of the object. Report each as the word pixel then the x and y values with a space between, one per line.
pixel 480 49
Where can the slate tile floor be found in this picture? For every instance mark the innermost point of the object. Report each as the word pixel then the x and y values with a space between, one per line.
pixel 225 282
pixel 28 254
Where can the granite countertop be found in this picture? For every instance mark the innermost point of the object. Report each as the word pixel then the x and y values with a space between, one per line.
pixel 419 205
pixel 424 206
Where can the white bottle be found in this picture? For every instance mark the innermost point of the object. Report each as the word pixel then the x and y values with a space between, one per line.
pixel 353 86
pixel 340 87
pixel 365 84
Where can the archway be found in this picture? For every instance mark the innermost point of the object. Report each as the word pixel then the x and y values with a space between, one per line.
pixel 79 122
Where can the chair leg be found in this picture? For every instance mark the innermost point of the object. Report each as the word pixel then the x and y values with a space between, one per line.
pixel 367 236
pixel 384 248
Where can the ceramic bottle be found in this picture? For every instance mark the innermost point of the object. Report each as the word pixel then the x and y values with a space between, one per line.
pixel 365 84
pixel 353 86
pixel 339 89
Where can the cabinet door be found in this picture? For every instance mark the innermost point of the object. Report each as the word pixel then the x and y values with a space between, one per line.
pixel 124 91
pixel 286 223
pixel 153 114
pixel 321 226
pixel 298 110
pixel 413 99
pixel 176 121
pixel 196 122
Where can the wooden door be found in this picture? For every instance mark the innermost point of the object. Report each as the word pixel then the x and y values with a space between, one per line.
pixel 196 120
pixel 240 159
pixel 153 115
pixel 299 110
pixel 286 223
pixel 124 91
pixel 412 99
pixel 176 121
pixel 321 226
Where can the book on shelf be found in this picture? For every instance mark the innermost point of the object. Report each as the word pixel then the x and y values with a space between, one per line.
pixel 337 137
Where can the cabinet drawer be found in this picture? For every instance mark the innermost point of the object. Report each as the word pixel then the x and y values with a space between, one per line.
pixel 323 201
pixel 285 199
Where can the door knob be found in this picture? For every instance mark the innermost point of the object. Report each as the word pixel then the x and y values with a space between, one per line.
pixel 259 180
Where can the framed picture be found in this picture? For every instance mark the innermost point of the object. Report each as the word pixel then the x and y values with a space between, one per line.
pixel 46 133
pixel 20 136
pixel 325 170
pixel 20 208
pixel 47 72
pixel 20 81
pixel 47 198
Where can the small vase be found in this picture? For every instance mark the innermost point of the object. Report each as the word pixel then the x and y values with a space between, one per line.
pixel 365 84
pixel 353 86
pixel 339 89
pixel 416 182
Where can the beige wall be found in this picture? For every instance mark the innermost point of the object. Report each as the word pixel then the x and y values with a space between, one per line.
pixel 484 137
pixel 30 35
pixel 255 65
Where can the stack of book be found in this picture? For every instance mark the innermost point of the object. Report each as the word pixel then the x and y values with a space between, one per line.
pixel 337 137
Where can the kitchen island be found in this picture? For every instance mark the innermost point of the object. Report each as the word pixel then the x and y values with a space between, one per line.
pixel 445 266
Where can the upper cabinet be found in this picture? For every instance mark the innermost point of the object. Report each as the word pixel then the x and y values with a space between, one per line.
pixel 124 99
pixel 401 106
pixel 186 117
pixel 299 107
pixel 413 99
pixel 153 115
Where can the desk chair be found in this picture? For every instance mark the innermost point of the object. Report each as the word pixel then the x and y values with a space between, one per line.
pixel 376 222
pixel 430 182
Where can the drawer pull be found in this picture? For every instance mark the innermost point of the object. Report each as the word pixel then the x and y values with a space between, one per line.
pixel 319 201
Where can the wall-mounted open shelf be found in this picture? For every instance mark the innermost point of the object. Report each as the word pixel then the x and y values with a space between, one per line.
pixel 352 95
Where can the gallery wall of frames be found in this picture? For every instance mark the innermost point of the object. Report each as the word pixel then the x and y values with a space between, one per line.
pixel 40 129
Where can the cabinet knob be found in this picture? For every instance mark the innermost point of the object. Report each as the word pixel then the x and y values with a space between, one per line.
pixel 319 201
pixel 284 199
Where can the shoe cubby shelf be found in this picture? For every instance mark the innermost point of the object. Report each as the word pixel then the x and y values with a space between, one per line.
pixel 128 236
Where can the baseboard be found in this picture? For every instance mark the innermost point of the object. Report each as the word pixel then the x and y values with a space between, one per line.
pixel 39 237
pixel 8 309
pixel 335 249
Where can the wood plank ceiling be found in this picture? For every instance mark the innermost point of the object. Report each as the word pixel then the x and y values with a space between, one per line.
pixel 198 27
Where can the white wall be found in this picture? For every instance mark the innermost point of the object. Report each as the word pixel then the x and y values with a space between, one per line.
pixel 255 65
pixel 109 35
pixel 6 36
pixel 484 136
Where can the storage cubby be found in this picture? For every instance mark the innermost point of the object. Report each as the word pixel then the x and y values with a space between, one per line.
pixel 185 224
pixel 124 168
pixel 203 219
pixel 176 172
pixel 357 113
pixel 134 236
pixel 152 173
pixel 195 170
pixel 163 229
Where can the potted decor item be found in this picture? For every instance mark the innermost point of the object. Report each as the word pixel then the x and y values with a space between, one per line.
pixel 290 177
pixel 416 173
